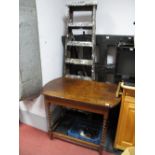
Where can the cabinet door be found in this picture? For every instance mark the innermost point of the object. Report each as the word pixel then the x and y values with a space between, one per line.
pixel 125 136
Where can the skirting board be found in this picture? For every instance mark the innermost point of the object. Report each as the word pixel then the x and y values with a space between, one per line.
pixel 33 120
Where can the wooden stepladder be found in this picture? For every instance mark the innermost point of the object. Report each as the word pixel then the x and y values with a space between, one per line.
pixel 79 55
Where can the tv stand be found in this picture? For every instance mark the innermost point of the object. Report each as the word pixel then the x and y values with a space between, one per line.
pixel 90 96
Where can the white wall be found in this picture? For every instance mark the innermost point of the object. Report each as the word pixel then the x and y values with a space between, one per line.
pixel 51 28
pixel 113 17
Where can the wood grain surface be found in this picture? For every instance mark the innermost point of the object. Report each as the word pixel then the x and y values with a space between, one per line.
pixel 90 92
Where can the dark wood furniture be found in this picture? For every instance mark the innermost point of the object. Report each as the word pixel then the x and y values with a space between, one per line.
pixel 83 95
pixel 125 135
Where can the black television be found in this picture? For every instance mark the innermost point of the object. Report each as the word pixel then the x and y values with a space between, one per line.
pixel 125 64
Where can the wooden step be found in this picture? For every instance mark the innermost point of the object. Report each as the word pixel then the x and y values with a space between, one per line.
pixel 80 43
pixel 86 25
pixel 82 3
pixel 79 61
pixel 78 77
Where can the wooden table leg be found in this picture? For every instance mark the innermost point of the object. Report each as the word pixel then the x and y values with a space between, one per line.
pixel 49 115
pixel 104 131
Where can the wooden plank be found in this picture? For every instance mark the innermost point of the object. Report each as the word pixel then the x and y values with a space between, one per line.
pixel 78 77
pixel 80 43
pixel 75 140
pixel 79 61
pixel 84 25
pixel 82 3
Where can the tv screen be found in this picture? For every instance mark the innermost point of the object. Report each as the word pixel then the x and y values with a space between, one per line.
pixel 125 63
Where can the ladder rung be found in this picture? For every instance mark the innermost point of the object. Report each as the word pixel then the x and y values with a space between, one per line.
pixel 82 2
pixel 81 8
pixel 80 25
pixel 80 43
pixel 79 61
pixel 78 77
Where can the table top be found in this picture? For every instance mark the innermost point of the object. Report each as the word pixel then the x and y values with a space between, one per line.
pixel 90 92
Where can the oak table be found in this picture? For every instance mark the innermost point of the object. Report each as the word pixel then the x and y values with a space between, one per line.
pixel 91 96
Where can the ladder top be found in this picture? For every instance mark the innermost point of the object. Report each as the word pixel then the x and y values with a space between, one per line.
pixel 81 2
